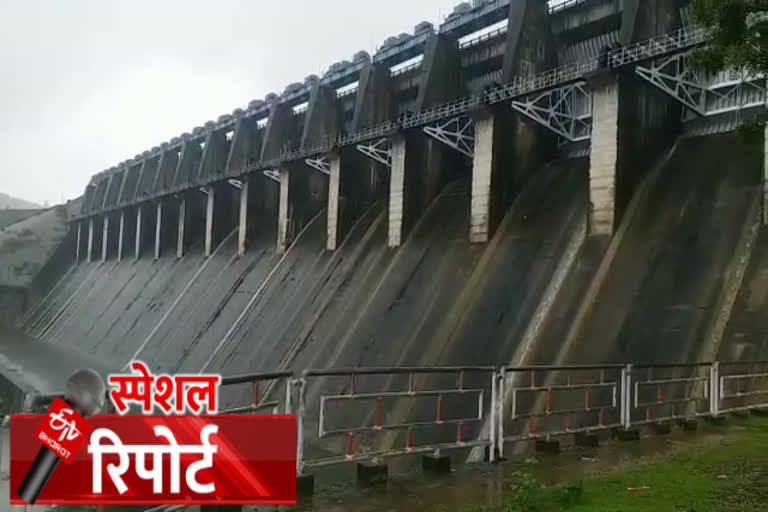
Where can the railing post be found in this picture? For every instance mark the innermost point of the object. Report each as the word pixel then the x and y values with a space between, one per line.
pixel 500 394
pixel 626 397
pixel 300 425
pixel 714 389
pixel 494 399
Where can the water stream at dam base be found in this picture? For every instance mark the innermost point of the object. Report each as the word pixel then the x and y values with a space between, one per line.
pixel 471 486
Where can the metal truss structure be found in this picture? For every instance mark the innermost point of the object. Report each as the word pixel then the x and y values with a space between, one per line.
pixel 706 96
pixel 659 46
pixel 458 133
pixel 320 163
pixel 380 150
pixel 567 110
pixel 272 174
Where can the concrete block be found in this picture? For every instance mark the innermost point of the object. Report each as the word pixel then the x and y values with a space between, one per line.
pixel 689 425
pixel 716 420
pixel 662 429
pixel 221 508
pixel 586 440
pixel 548 446
pixel 436 464
pixel 487 455
pixel 305 485
pixel 369 474
pixel 631 434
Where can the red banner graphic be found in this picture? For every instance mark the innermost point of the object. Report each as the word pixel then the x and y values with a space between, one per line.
pixel 159 460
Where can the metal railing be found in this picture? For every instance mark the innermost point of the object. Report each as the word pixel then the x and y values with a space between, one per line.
pixel 371 414
pixel 259 388
pixel 740 386
pixel 451 402
pixel 678 40
pixel 661 393
pixel 562 5
pixel 540 402
pixel 483 38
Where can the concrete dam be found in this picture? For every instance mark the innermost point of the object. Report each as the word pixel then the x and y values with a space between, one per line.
pixel 526 184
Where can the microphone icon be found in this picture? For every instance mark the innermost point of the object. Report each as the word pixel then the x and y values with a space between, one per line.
pixel 84 393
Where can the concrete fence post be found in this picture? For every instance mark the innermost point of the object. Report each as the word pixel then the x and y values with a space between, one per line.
pixel 300 413
pixel 494 438
pixel 500 416
pixel 715 390
pixel 626 397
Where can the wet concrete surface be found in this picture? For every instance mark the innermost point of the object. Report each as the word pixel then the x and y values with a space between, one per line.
pixel 746 335
pixel 21 363
pixel 662 290
pixel 437 299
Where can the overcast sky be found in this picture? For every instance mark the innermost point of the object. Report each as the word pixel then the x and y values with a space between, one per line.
pixel 87 84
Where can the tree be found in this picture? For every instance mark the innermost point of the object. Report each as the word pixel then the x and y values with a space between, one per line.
pixel 739 35
pixel 739 43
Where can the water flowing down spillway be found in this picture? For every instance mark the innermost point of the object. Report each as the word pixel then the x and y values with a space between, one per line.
pixel 665 286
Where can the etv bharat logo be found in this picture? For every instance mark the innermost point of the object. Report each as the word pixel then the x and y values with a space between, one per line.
pixel 68 428
pixel 64 431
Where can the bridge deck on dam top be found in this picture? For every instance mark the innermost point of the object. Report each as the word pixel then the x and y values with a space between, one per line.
pixel 660 46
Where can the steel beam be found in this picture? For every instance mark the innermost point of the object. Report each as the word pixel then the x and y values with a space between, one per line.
pixel 458 133
pixel 320 163
pixel 566 110
pixel 380 150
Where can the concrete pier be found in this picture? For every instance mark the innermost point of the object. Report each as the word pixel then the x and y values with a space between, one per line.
pixel 209 205
pixel 158 229
pixel 91 227
pixel 139 225
pixel 604 156
pixel 246 144
pixel 78 242
pixel 242 228
pixel 121 236
pixel 283 219
pixel 215 154
pixel 188 163
pixel 484 177
pixel 182 226
pixel 334 183
pixel 104 237
pixel 397 192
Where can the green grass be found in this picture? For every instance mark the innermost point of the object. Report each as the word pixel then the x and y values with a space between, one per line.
pixel 730 476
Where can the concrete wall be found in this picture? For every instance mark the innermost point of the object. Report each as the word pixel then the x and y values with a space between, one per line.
pixel 280 132
pixel 246 144
pixel 649 120
pixel 509 148
pixel 322 118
